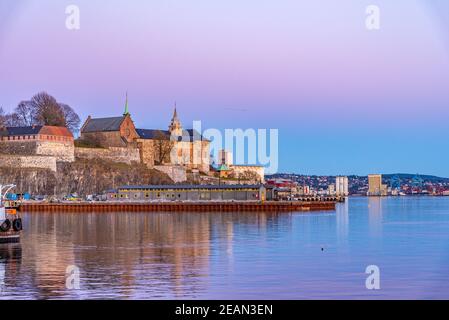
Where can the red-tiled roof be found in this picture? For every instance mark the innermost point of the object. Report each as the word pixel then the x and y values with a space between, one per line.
pixel 56 131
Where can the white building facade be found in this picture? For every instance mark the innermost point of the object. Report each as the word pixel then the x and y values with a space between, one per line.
pixel 341 186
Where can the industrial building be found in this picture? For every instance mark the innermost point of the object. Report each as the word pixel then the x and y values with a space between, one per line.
pixel 188 193
pixel 375 186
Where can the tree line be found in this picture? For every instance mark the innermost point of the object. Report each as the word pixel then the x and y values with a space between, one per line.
pixel 42 109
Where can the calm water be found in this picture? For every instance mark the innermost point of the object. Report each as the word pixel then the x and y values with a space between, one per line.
pixel 241 256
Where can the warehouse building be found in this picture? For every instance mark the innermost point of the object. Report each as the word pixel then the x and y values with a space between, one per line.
pixel 188 193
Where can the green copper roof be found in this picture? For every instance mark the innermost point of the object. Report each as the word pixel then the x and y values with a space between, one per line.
pixel 126 106
pixel 223 167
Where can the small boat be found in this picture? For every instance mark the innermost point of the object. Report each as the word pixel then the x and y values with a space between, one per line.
pixel 10 220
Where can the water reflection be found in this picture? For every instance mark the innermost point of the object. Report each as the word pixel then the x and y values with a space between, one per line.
pixel 375 215
pixel 342 220
pixel 130 255
pixel 10 261
pixel 233 255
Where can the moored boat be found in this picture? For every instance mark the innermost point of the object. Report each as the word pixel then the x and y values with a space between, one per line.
pixel 10 220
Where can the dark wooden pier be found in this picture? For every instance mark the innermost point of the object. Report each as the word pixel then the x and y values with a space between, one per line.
pixel 87 207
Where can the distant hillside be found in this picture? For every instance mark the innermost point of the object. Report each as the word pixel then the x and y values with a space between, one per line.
pixel 408 176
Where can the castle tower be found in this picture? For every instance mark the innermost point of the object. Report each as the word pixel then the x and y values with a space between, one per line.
pixel 175 127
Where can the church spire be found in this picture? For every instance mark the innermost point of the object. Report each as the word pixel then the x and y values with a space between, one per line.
pixel 126 106
pixel 175 125
pixel 175 114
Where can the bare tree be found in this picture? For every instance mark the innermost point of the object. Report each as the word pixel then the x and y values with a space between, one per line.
pixel 8 119
pixel 25 114
pixel 163 147
pixel 2 117
pixel 11 120
pixel 47 109
pixel 43 109
pixel 72 120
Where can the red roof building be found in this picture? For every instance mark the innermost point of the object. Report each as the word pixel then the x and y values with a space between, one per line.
pixel 36 133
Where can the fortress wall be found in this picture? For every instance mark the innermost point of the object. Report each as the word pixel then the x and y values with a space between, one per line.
pixel 17 161
pixel 63 151
pixel 18 147
pixel 114 154
pixel 146 148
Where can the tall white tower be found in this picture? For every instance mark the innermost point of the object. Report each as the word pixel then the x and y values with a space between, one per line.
pixel 342 186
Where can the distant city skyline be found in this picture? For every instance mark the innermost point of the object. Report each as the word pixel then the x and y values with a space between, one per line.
pixel 345 100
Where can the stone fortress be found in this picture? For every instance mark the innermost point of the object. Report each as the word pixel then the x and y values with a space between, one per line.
pixel 173 151
pixel 36 146
pixel 176 152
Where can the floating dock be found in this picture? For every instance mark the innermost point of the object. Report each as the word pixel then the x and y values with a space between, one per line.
pixel 269 206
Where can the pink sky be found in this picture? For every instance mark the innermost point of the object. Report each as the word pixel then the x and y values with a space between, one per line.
pixel 309 68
